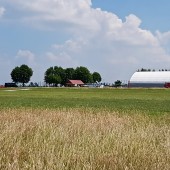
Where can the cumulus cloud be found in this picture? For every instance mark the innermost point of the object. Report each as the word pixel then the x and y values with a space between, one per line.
pixel 25 56
pixel 94 38
pixel 67 54
pixel 53 9
pixel 2 11
pixel 164 38
pixel 71 45
pixel 61 58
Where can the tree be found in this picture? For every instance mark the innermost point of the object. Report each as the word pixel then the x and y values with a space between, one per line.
pixel 57 75
pixel 83 74
pixel 60 76
pixel 15 74
pixel 118 83
pixel 96 77
pixel 142 69
pixel 69 73
pixel 48 77
pixel 52 76
pixel 21 74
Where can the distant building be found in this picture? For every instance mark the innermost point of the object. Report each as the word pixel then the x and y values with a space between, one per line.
pixel 149 79
pixel 74 83
pixel 10 85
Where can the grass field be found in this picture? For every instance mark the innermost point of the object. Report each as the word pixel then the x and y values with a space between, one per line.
pixel 151 101
pixel 93 129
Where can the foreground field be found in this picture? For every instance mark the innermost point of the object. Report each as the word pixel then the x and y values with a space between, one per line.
pixel 81 139
pixel 89 129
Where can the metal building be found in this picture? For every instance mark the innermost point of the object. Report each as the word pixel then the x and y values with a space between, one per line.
pixel 149 79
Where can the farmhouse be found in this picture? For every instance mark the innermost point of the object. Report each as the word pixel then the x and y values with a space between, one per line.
pixel 74 83
pixel 149 79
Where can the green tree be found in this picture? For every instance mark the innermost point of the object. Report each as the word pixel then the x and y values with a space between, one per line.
pixel 21 74
pixel 143 69
pixel 69 73
pixel 57 80
pixel 54 75
pixel 60 76
pixel 96 77
pixel 15 74
pixel 48 78
pixel 83 74
pixel 57 75
pixel 118 83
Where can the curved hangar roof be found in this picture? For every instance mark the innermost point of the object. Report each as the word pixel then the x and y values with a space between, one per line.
pixel 151 77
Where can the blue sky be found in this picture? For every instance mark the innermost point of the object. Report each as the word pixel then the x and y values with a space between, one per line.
pixel 112 37
pixel 153 13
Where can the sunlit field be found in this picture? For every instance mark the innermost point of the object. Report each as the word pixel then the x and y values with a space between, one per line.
pixel 116 129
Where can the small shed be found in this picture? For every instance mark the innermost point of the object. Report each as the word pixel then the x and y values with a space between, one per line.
pixel 74 83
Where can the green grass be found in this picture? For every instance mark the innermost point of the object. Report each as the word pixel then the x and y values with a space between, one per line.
pixel 152 101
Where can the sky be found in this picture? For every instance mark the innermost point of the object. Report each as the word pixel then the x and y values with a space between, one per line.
pixel 112 37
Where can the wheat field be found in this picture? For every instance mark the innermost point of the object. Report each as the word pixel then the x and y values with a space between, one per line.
pixel 83 139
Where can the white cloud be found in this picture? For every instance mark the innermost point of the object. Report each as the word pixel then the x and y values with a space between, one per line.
pixel 53 9
pixel 61 57
pixel 164 38
pixel 71 45
pixel 69 54
pixel 2 11
pixel 26 56
pixel 132 21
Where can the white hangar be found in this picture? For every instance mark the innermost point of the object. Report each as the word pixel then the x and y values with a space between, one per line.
pixel 149 79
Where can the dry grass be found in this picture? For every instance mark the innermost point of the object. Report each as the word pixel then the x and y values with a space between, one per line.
pixel 82 139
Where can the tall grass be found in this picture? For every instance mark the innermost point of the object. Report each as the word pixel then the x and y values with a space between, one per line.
pixel 83 139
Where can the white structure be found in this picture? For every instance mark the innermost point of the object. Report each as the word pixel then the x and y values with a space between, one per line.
pixel 149 79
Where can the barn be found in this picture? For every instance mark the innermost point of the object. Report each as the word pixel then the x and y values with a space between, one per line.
pixel 74 83
pixel 149 79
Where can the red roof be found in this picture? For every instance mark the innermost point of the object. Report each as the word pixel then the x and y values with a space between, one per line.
pixel 78 82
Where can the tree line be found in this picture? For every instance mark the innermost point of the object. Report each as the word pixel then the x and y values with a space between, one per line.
pixel 55 75
pixel 144 70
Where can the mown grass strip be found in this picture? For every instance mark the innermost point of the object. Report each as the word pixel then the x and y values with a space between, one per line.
pixel 151 101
